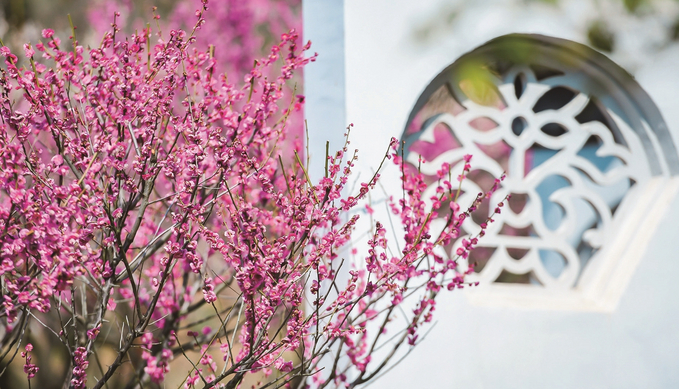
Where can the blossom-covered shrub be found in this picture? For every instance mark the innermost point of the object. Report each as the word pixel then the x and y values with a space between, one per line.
pixel 235 33
pixel 149 216
pixel 238 31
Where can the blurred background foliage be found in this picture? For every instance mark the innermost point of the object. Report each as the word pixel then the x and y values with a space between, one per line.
pixel 22 21
pixel 245 29
pixel 617 28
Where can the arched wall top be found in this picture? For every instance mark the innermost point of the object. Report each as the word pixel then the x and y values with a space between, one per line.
pixel 586 155
pixel 594 74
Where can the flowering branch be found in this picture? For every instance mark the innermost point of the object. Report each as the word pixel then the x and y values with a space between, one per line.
pixel 146 195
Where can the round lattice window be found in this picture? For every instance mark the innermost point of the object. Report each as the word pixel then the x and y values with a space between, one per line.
pixel 589 161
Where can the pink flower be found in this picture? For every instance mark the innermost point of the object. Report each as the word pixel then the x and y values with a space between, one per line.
pixel 28 51
pixel 29 368
pixel 92 333
pixel 208 291
pixel 283 366
pixel 80 364
pixel 118 212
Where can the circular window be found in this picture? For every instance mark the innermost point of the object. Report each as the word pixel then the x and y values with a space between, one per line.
pixel 589 161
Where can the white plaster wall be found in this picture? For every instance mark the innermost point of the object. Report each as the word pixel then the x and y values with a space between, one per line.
pixel 637 346
pixel 324 79
pixel 385 69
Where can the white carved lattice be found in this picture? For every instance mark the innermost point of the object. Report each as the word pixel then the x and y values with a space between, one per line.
pixel 588 191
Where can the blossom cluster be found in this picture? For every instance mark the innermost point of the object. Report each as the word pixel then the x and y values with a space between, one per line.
pixel 234 32
pixel 146 194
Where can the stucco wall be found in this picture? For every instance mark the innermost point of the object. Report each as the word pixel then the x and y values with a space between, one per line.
pixel 384 68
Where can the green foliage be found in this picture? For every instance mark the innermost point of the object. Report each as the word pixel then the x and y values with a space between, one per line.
pixel 600 36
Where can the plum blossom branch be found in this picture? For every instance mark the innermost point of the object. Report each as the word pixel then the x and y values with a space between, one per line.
pixel 147 194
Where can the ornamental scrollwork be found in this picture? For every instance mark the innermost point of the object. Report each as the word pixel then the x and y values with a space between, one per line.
pixel 572 167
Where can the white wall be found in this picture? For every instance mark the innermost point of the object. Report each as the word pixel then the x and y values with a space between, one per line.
pixel 324 79
pixel 385 69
